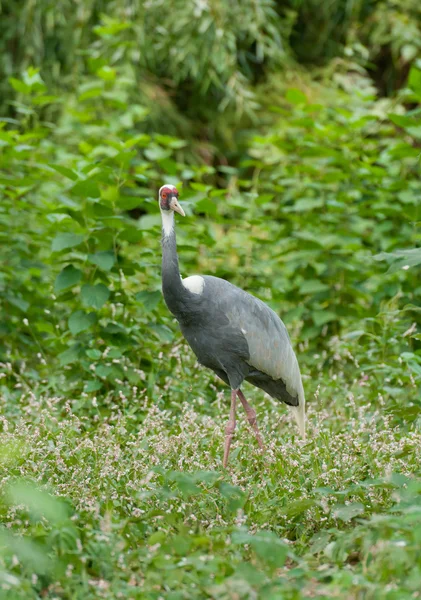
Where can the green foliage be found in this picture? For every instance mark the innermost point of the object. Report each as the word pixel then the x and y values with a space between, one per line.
pixel 335 187
pixel 84 259
pixel 197 67
pixel 392 36
pixel 110 435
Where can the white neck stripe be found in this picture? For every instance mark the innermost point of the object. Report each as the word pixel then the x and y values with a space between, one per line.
pixel 167 222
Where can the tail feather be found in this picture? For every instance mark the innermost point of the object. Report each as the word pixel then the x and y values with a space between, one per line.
pixel 299 413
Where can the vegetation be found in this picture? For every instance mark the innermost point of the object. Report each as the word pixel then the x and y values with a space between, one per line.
pixel 301 184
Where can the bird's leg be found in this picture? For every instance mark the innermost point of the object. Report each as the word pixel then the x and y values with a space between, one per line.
pixel 251 416
pixel 229 429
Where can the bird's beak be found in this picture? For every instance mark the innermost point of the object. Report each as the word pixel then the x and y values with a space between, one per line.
pixel 174 205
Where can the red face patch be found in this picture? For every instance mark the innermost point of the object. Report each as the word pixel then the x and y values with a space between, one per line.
pixel 166 194
pixel 166 190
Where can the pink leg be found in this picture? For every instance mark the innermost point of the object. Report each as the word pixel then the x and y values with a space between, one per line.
pixel 251 416
pixel 229 429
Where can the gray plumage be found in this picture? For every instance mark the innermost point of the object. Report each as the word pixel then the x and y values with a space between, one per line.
pixel 232 332
pixel 239 337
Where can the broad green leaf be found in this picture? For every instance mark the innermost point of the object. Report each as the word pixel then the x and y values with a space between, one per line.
pixel 40 503
pixel 263 199
pixel 149 221
pixel 403 259
pixel 94 91
pixel 95 295
pixel 403 120
pixel 206 206
pixel 154 152
pixel 346 512
pixel 414 80
pixel 103 370
pixel 93 385
pixel 68 277
pixel 233 494
pixel 70 355
pixel 20 303
pixel 94 353
pixel 81 321
pixel 29 553
pixel 313 286
pixel 320 317
pixel 62 241
pixel 266 544
pixel 296 96
pixel 162 332
pixel 103 260
pixel 304 204
pixel 86 188
pixel 111 27
pixel 150 300
pixel 19 86
pixel 106 73
pixel 69 173
pixel 185 483
pixel 298 507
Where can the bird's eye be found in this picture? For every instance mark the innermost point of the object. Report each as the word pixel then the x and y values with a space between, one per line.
pixel 164 195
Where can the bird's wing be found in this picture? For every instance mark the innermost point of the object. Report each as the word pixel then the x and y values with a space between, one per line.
pixel 269 345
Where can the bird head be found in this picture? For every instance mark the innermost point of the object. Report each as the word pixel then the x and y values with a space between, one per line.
pixel 168 199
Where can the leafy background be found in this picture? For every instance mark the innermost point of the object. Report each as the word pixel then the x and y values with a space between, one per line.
pixel 293 132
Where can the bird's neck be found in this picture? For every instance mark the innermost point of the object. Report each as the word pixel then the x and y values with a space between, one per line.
pixel 174 292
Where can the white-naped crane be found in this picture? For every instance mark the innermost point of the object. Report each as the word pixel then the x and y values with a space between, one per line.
pixel 230 331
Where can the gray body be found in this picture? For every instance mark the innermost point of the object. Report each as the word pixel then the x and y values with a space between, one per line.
pixel 232 332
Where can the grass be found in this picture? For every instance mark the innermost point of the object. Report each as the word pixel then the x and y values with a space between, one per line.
pixel 111 437
pixel 141 507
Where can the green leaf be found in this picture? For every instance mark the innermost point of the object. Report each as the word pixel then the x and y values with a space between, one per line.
pixel 65 171
pixel 233 494
pixel 185 483
pixel 20 303
pixel 403 259
pixel 106 73
pixel 70 355
pixel 414 80
pixel 263 199
pixel 149 221
pixel 206 206
pixel 29 553
pixel 346 512
pixel 68 277
pixel 87 188
pixel 266 544
pixel 320 317
pixel 150 300
pixel 297 507
pixel 62 241
pixel 163 333
pixel 95 295
pixel 313 286
pixel 40 503
pixel 103 260
pixel 296 96
pixel 154 152
pixel 94 353
pixel 111 27
pixel 93 385
pixel 81 321
pixel 403 120
pixel 19 86
pixel 304 204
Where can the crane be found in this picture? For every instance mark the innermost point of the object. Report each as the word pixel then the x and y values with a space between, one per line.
pixel 230 331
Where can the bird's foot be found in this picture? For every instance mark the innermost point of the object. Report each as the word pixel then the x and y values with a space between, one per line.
pixel 230 428
pixel 229 434
pixel 252 419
